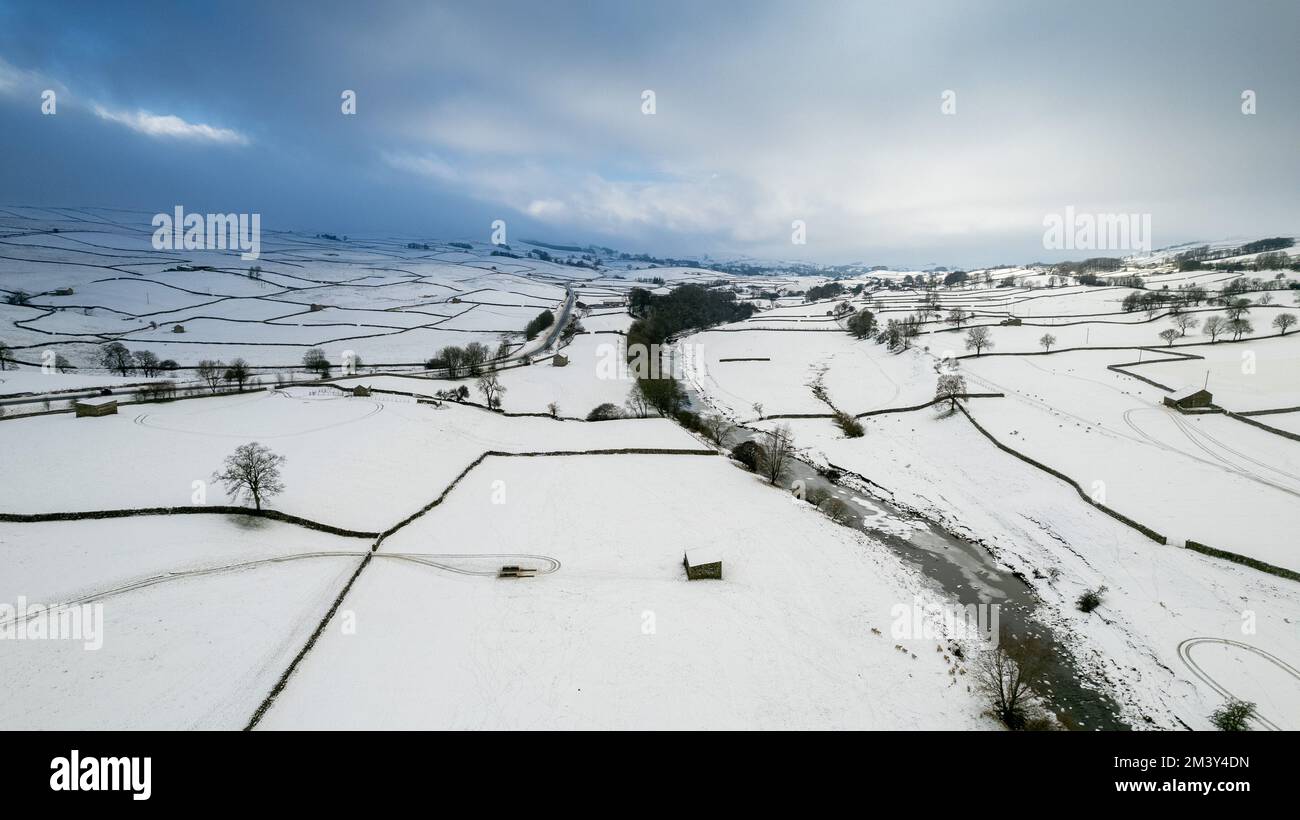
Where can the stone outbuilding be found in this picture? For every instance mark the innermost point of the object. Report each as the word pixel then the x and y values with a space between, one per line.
pixel 1190 398
pixel 98 406
pixel 702 562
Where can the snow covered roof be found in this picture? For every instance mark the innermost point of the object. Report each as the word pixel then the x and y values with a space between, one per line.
pixel 703 555
pixel 98 401
pixel 1185 392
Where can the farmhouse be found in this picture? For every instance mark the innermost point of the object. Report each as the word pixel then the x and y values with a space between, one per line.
pixel 1189 398
pixel 703 562
pixel 99 406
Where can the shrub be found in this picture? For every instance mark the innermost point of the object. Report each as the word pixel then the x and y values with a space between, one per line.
pixel 604 412
pixel 851 427
pixel 1233 716
pixel 749 453
pixel 1090 599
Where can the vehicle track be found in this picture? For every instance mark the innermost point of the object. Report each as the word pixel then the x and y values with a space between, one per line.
pixel 1185 653
pixel 457 563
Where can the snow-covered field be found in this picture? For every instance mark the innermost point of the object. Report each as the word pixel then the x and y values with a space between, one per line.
pixel 617 638
pixel 204 613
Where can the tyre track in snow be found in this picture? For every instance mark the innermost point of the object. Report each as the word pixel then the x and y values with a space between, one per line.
pixel 1185 654
pixel 456 563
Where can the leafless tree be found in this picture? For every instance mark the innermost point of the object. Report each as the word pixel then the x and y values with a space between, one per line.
pixel 491 389
pixel 637 404
pixel 252 472
pixel 978 338
pixel 778 451
pixel 1214 326
pixel 1047 341
pixel 211 371
pixel 1169 334
pixel 146 362
pixel 950 386
pixel 1005 674
pixel 715 428
pixel 1184 322
pixel 553 409
pixel 237 372
pixel 958 317
pixel 1283 321
pixel 115 358
pixel 476 353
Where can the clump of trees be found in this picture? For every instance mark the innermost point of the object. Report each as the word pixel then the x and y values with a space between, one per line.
pixel 252 472
pixel 686 307
pixel 541 322
pixel 862 324
pixel 458 361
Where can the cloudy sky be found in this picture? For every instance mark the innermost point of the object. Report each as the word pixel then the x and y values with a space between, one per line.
pixel 765 113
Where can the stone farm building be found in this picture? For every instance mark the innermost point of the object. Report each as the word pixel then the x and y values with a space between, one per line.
pixel 1190 398
pixel 703 562
pixel 98 406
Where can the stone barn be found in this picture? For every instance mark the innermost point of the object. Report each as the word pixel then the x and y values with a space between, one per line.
pixel 704 562
pixel 361 390
pixel 99 406
pixel 1190 398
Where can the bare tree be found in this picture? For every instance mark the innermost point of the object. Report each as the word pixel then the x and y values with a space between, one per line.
pixel 1004 674
pixel 491 389
pixel 1169 334
pixel 715 428
pixel 115 358
pixel 637 404
pixel 978 338
pixel 553 409
pixel 237 372
pixel 778 451
pixel 1047 341
pixel 252 472
pixel 210 372
pixel 1214 326
pixel 1240 327
pixel 950 386
pixel 476 353
pixel 1184 322
pixel 146 362
pixel 315 362
pixel 958 317
pixel 1283 321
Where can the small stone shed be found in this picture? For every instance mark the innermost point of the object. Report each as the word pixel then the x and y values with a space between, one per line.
pixel 1190 398
pixel 702 562
pixel 98 406
pixel 361 390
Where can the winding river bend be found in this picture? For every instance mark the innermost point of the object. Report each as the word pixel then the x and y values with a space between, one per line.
pixel 967 574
